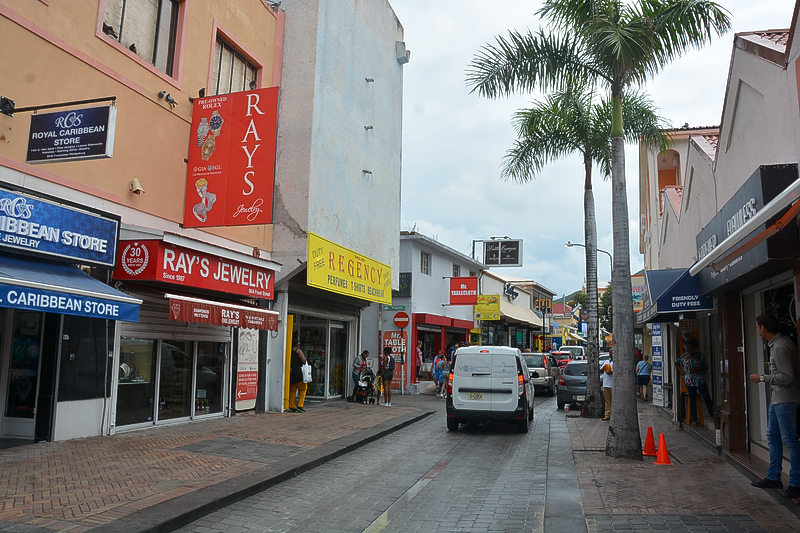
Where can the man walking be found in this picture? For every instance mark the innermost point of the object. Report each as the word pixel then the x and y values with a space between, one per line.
pixel 607 375
pixel 784 395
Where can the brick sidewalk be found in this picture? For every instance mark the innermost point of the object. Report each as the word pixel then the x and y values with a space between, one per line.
pixel 699 482
pixel 140 480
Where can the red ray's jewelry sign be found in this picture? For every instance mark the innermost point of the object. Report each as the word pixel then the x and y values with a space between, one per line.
pixel 72 135
pixel 231 170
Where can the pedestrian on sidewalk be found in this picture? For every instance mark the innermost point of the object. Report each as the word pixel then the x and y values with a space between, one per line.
pixel 784 385
pixel 444 373
pixel 386 371
pixel 296 383
pixel 359 364
pixel 608 382
pixel 419 359
pixel 643 369
pixel 436 371
pixel 694 368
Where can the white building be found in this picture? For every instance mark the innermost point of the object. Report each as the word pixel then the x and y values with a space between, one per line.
pixel 337 176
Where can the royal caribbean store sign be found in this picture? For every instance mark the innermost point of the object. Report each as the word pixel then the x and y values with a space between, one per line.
pixel 37 225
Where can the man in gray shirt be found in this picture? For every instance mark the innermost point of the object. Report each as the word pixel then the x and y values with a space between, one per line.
pixel 784 383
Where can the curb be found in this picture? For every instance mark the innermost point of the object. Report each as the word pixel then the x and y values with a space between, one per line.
pixel 176 512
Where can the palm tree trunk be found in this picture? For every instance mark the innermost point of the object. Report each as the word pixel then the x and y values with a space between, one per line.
pixel 624 438
pixel 594 398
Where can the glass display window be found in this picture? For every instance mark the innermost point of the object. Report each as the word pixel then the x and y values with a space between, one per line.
pixel 23 372
pixel 325 345
pixel 175 380
pixel 209 373
pixel 136 389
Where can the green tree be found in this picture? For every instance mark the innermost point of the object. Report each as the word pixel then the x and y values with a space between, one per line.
pixel 577 121
pixel 606 320
pixel 617 44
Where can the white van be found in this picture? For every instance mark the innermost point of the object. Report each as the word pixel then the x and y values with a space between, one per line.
pixel 489 383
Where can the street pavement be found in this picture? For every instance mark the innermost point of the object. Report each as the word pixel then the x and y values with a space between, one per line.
pixel 162 478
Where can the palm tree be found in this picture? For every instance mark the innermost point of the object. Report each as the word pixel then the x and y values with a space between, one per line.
pixel 572 121
pixel 618 44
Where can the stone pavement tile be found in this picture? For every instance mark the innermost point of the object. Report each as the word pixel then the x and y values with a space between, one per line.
pixel 84 483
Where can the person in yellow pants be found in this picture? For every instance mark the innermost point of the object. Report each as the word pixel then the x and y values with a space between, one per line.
pixel 296 382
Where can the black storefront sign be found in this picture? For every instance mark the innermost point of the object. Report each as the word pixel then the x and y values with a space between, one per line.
pixel 405 286
pixel 765 184
pixel 507 252
pixel 72 135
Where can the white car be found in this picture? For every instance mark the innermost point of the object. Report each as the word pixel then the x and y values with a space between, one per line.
pixel 489 383
pixel 578 352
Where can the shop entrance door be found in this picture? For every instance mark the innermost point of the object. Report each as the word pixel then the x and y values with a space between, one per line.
pixel 22 340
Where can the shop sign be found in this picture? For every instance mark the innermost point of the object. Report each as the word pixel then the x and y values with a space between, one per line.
pixel 506 252
pixel 638 289
pixel 72 135
pixel 219 314
pixel 405 285
pixel 762 187
pixel 247 370
pixel 398 342
pixel 231 172
pixel 35 225
pixel 334 268
pixel 464 291
pixel 153 260
pixel 488 307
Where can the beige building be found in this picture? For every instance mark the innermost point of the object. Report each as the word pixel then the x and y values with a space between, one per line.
pixel 188 347
pixel 720 240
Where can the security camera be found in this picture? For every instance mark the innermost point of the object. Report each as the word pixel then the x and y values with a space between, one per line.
pixel 136 187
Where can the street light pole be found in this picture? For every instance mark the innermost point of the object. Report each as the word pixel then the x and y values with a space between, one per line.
pixel 569 244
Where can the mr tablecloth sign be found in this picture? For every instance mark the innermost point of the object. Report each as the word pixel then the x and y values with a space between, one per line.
pixel 231 170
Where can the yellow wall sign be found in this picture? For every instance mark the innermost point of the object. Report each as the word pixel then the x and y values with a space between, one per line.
pixel 334 268
pixel 488 307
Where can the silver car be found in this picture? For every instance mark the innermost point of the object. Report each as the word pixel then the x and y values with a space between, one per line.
pixel 545 365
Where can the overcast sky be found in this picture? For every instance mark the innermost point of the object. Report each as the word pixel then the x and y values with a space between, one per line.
pixel 454 142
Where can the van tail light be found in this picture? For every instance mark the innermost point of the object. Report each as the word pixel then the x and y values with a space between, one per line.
pixel 450 384
pixel 521 383
pixel 561 381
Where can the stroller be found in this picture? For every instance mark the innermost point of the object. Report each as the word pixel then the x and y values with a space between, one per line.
pixel 364 391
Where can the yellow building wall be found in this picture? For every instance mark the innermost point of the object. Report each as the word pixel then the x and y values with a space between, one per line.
pixel 56 52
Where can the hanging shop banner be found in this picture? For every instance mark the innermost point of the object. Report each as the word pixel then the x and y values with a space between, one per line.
pixel 334 268
pixel 198 311
pixel 398 342
pixel 488 307
pixel 35 225
pixel 153 260
pixel 72 135
pixel 231 170
pixel 638 289
pixel 247 370
pixel 464 291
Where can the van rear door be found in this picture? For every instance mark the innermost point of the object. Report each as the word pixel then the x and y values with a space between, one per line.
pixel 505 382
pixel 472 382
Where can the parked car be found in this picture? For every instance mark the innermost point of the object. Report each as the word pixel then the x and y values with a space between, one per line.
pixel 489 383
pixel 578 352
pixel 562 357
pixel 572 384
pixel 544 364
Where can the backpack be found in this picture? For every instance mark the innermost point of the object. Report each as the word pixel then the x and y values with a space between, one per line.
pixel 388 365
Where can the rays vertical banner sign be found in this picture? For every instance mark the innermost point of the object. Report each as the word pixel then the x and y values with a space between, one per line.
pixel 231 172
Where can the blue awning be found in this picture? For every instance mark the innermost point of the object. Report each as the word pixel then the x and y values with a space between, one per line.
pixel 61 288
pixel 670 292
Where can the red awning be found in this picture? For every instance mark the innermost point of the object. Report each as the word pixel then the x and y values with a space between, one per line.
pixel 186 309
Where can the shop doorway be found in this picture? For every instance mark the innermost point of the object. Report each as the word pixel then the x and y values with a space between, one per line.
pixel 324 343
pixel 164 380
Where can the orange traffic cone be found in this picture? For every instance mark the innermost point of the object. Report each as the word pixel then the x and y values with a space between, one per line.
pixel 663 454
pixel 649 443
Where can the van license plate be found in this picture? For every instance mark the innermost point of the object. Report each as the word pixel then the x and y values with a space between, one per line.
pixel 580 398
pixel 474 396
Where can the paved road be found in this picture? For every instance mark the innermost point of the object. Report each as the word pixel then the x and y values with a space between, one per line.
pixel 422 478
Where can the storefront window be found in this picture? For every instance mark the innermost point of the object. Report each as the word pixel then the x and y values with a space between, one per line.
pixel 85 344
pixel 24 368
pixel 210 369
pixel 175 385
pixel 313 334
pixel 136 388
pixel 338 359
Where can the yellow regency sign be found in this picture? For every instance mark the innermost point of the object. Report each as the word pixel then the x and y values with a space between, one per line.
pixel 334 268
pixel 488 307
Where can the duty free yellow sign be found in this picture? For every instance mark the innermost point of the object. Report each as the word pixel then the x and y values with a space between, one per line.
pixel 334 268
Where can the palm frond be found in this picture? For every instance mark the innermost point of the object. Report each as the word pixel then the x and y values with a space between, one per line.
pixel 529 61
